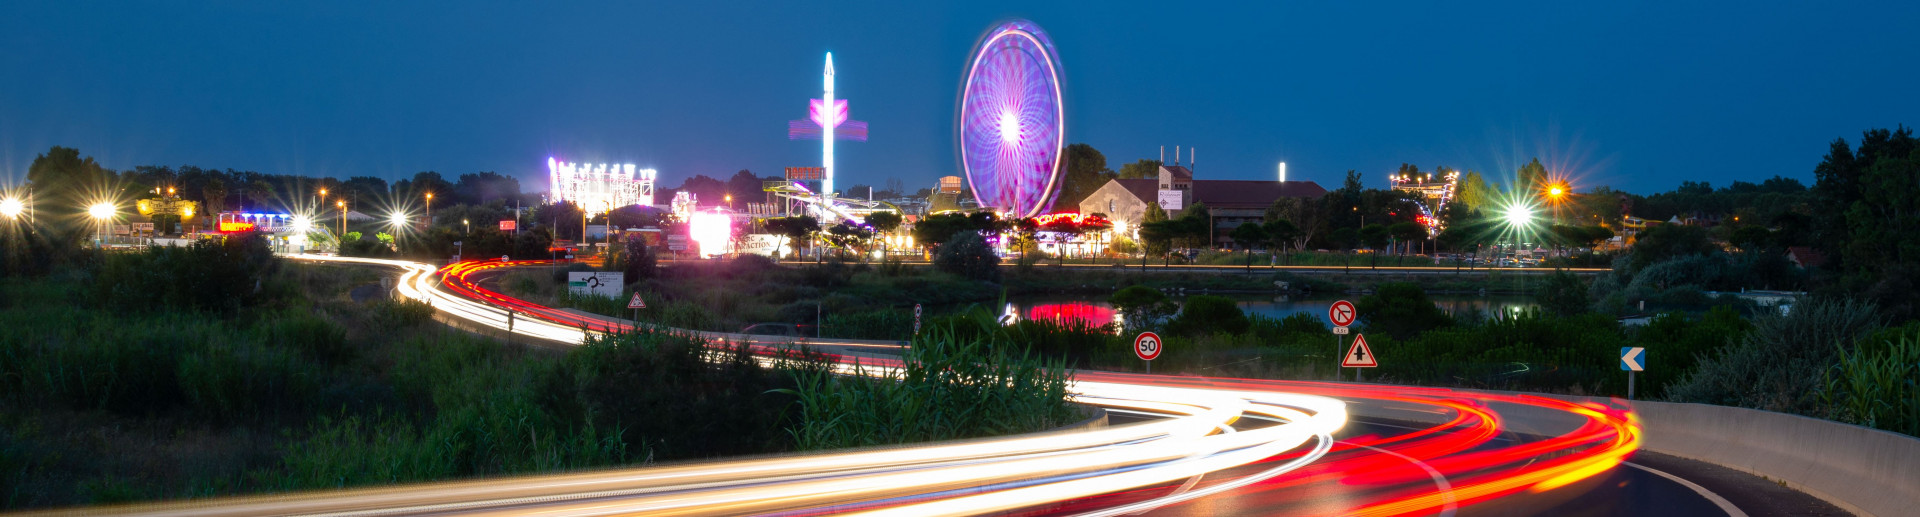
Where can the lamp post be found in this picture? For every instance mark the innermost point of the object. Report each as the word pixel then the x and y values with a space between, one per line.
pixel 429 210
pixel 343 223
pixel 100 212
pixel 469 232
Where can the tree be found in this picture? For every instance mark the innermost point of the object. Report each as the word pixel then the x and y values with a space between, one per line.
pixel 1142 169
pixel 934 230
pixel 884 222
pixel 1531 177
pixel 1344 238
pixel 1086 171
pixel 1664 241
pixel 1751 238
pixel 1407 232
pixel 259 192
pixel 1306 216
pixel 215 193
pixel 1247 235
pixel 794 229
pixel 967 254
pixel 66 183
pixel 1280 233
pixel 745 186
pixel 484 187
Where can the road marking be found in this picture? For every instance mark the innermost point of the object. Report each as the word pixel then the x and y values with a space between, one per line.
pixel 1440 481
pixel 1722 502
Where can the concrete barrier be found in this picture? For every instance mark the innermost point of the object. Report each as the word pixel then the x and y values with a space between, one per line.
pixel 1865 471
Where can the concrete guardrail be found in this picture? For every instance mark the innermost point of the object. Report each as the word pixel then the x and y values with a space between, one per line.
pixel 1864 471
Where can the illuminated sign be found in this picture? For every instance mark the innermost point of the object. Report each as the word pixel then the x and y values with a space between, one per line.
pixel 507 225
pixel 600 188
pixel 949 184
pixel 1172 199
pixel 805 173
pixel 712 230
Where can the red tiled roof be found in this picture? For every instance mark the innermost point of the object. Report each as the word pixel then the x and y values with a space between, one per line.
pixel 1806 257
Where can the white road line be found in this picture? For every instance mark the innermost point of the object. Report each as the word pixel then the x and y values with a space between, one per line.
pixel 1439 480
pixel 1722 502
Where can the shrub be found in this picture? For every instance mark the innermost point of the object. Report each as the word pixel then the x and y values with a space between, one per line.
pixel 967 255
pixel 1563 293
pixel 949 388
pixel 560 275
pixel 1400 310
pixel 1205 314
pixel 217 274
pixel 1781 364
pixel 638 260
pixel 1874 385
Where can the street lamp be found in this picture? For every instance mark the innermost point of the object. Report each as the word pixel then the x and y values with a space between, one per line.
pixel 12 208
pixel 429 209
pixel 100 212
pixel 469 225
pixel 343 220
pixel 1518 216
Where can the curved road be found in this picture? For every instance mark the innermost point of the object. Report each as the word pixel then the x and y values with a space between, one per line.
pixel 1178 446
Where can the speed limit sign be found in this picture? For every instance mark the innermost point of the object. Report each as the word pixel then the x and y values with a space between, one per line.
pixel 1147 346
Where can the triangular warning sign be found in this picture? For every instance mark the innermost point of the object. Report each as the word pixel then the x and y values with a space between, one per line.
pixel 636 303
pixel 1359 356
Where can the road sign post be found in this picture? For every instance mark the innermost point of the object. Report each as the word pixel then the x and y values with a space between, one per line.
pixel 1147 347
pixel 1633 359
pixel 916 319
pixel 1341 314
pixel 636 304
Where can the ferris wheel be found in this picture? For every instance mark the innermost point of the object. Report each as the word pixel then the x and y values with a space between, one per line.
pixel 1011 128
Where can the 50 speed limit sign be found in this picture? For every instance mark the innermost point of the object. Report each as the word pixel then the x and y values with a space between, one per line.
pixel 1147 346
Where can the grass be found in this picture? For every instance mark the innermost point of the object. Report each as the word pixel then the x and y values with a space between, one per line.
pixel 951 387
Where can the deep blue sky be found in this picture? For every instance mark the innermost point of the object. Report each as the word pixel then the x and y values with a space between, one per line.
pixel 1636 96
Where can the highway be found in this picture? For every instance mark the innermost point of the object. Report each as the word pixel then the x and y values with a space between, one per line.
pixel 1355 269
pixel 1178 446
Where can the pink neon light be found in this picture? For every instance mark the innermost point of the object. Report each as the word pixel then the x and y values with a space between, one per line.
pixel 819 114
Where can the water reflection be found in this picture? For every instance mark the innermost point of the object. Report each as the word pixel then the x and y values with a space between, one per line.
pixel 1074 313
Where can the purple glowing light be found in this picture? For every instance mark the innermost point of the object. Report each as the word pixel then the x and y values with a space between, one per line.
pixel 1011 127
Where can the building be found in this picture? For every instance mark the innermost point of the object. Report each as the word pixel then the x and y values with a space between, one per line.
pixel 1231 202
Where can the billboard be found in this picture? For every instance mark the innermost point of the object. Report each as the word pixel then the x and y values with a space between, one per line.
pixel 806 173
pixel 1172 199
pixel 600 188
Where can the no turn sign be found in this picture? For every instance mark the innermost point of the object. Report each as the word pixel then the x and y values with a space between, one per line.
pixel 1341 313
pixel 1147 346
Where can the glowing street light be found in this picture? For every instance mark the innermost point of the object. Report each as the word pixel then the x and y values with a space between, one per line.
pixel 429 209
pixel 101 212
pixel 12 208
pixel 343 219
pixel 1518 216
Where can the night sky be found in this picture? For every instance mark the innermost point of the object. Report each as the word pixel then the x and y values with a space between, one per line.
pixel 1639 97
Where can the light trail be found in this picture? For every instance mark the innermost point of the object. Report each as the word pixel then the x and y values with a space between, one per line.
pixel 1288 467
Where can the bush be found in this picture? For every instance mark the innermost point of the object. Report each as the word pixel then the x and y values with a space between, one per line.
pixel 967 255
pixel 1205 314
pixel 1780 366
pixel 683 396
pixel 1874 385
pixel 638 260
pixel 560 275
pixel 1562 293
pixel 216 275
pixel 949 388
pixel 1400 310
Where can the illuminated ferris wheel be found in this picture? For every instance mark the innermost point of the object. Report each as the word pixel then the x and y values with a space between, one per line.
pixel 1011 126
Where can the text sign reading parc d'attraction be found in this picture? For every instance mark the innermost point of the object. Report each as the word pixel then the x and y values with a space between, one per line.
pixel 1147 346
